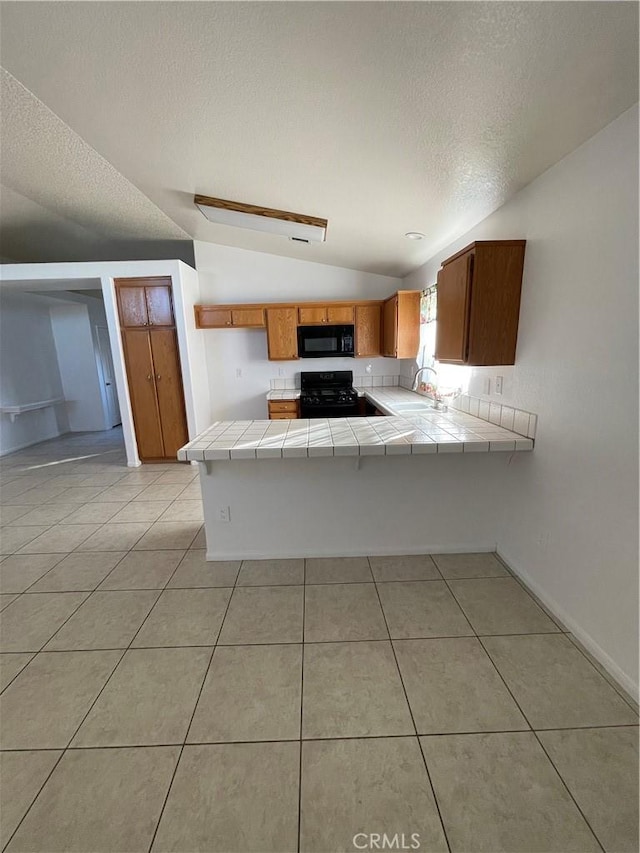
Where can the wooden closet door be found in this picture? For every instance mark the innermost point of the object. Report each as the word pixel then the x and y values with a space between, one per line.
pixel 159 305
pixel 164 347
pixel 142 388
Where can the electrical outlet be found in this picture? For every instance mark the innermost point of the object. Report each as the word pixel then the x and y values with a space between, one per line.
pixel 281 371
pixel 224 513
pixel 238 373
pixel 486 388
pixel 498 384
pixel 368 368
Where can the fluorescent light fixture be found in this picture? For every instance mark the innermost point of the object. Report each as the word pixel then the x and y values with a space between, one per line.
pixel 262 218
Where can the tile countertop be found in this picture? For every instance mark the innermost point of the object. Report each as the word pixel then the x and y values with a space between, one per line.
pixel 428 432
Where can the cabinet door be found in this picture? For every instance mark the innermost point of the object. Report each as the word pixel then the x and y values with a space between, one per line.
pixel 408 324
pixel 159 305
pixel 247 317
pixel 132 306
pixel 368 330
pixel 168 379
pixel 282 334
pixel 340 314
pixel 454 294
pixel 213 318
pixel 140 377
pixel 311 316
pixel 390 328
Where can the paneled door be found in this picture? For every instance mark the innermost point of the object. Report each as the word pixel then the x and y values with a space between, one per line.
pixel 142 390
pixel 152 360
pixel 164 349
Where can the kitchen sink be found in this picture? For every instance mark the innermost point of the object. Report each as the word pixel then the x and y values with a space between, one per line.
pixel 412 407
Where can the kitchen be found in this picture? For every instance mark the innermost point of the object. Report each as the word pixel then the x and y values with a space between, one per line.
pixel 477 326
pixel 414 625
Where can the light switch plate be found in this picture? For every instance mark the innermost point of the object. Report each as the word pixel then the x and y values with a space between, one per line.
pixel 486 386
pixel 499 384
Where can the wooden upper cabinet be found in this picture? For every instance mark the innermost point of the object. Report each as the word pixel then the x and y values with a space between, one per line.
pixel 159 305
pixel 212 318
pixel 390 327
pixel 247 317
pixel 401 325
pixel 132 306
pixel 479 304
pixel 367 328
pixel 310 316
pixel 452 330
pixel 220 317
pixel 282 333
pixel 340 314
pixel 145 302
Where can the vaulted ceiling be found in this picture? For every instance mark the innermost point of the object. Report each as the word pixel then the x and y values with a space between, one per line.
pixel 383 117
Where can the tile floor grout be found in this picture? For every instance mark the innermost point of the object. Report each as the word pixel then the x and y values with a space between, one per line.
pixel 237 585
pixel 413 721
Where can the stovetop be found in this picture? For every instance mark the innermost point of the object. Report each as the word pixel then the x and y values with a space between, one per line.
pixel 324 388
pixel 320 396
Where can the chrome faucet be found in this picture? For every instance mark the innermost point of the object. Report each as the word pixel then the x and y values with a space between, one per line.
pixel 437 403
pixel 414 386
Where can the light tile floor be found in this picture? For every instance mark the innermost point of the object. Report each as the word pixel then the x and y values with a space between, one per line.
pixel 153 701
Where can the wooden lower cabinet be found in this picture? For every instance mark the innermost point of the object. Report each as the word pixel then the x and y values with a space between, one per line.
pixel 283 409
pixel 155 387
pixel 142 390
pixel 168 382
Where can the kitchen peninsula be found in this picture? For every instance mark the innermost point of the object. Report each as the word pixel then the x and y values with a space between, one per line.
pixel 350 486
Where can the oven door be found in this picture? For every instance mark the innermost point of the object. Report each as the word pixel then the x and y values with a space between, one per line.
pixel 335 410
pixel 325 341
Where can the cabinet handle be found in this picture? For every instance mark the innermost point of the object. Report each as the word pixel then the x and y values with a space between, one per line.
pixel 158 376
pixel 149 377
pixel 228 322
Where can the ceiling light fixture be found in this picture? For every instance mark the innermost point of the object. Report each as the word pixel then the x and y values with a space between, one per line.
pixel 293 225
pixel 414 235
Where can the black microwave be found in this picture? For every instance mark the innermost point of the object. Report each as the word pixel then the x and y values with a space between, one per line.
pixel 325 342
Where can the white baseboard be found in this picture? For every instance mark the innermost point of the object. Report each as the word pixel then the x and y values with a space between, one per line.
pixel 284 554
pixel 625 681
pixel 26 444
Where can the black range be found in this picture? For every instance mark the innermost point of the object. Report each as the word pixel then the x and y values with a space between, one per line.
pixel 328 394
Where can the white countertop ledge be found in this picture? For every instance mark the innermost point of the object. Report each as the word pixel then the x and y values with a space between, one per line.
pixel 429 431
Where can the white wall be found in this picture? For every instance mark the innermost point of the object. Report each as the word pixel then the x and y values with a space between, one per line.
pixel 570 520
pixel 229 275
pixel 28 371
pixel 356 506
pixel 75 347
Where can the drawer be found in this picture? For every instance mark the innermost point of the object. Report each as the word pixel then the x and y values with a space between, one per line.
pixel 283 416
pixel 283 405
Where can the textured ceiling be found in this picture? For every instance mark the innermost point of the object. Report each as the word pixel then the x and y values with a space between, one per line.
pixel 56 186
pixel 382 117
